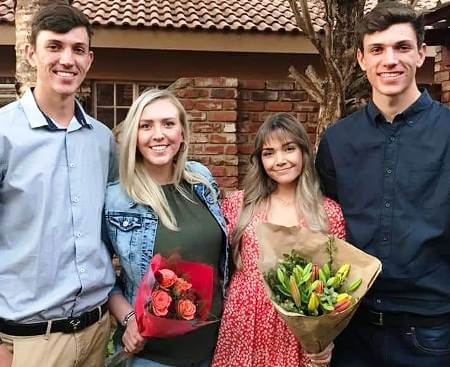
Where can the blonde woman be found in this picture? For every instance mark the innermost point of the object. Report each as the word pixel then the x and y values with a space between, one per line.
pixel 156 208
pixel 281 187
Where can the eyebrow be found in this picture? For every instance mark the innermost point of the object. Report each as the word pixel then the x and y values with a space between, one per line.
pixel 283 145
pixel 406 41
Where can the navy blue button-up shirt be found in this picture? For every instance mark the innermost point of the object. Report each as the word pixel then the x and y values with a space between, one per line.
pixel 393 183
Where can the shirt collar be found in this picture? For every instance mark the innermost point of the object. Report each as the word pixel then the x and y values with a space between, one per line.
pixel 37 118
pixel 421 103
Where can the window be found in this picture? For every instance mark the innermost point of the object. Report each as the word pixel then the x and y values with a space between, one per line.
pixel 111 100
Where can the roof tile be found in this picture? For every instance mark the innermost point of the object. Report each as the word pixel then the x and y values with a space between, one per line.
pixel 234 15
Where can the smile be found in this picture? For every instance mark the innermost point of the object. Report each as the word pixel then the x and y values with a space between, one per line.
pixel 65 74
pixel 391 75
pixel 159 148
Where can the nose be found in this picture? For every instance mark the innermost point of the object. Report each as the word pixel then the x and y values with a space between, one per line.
pixel 157 132
pixel 390 56
pixel 66 57
pixel 280 159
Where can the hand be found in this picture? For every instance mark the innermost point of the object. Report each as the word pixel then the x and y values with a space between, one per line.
pixel 133 341
pixel 6 357
pixel 323 358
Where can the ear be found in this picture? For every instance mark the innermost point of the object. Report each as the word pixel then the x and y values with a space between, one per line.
pixel 30 53
pixel 360 58
pixel 422 55
pixel 91 59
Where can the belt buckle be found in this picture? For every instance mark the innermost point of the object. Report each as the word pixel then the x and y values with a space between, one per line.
pixel 75 323
pixel 378 318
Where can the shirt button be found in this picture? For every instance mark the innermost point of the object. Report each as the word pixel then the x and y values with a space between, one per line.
pixel 78 234
pixel 75 199
pixel 72 165
pixel 378 300
pixel 388 171
pixel 125 223
pixel 392 139
pixel 387 204
pixel 82 270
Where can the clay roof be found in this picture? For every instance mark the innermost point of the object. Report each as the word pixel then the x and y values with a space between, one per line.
pixel 222 15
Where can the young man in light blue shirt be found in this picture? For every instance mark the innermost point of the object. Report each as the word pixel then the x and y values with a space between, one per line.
pixel 55 161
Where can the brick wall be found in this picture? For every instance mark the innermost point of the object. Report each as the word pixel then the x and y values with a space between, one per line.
pixel 442 72
pixel 225 114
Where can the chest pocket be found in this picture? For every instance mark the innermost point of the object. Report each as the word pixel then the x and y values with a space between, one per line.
pixel 125 231
pixel 429 187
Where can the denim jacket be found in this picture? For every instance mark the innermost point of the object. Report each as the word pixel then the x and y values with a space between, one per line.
pixel 132 227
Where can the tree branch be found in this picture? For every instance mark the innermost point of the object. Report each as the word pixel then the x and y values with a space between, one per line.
pixel 307 84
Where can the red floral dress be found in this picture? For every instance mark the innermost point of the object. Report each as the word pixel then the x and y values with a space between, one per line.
pixel 252 334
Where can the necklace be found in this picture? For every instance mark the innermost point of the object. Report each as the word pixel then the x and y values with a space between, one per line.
pixel 284 202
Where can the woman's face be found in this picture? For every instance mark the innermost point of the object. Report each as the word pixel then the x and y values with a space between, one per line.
pixel 282 159
pixel 160 135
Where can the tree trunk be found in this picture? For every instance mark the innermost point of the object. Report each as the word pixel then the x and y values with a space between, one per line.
pixel 24 12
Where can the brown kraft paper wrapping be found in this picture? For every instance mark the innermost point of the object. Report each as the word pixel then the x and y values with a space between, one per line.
pixel 315 333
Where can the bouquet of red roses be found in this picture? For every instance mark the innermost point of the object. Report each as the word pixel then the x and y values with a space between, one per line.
pixel 173 298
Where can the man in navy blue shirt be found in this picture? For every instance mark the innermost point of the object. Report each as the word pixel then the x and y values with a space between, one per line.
pixel 388 165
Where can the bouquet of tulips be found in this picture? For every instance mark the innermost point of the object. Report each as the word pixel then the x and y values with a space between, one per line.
pixel 315 281
pixel 308 289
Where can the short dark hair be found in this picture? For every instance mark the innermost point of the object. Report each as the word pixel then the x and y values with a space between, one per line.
pixel 389 13
pixel 58 18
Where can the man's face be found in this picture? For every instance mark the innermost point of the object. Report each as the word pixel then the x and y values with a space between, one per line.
pixel 390 59
pixel 61 60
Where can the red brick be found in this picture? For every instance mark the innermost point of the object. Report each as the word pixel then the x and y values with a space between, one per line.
pixel 227 182
pixel 252 84
pixel 193 93
pixel 306 106
pixel 245 149
pixel 279 85
pixel 293 96
pixel 251 106
pixel 264 95
pixel 205 127
pixel 302 117
pixel 188 104
pixel 222 116
pixel 442 76
pixel 197 116
pixel 229 105
pixel 224 160
pixel 278 106
pixel 248 127
pixel 218 171
pixel 224 93
pixel 223 138
pixel 208 105
pixel 199 138
pixel 231 149
pixel 313 116
pixel 446 86
pixel 196 149
pixel 244 94
pixel 231 171
pixel 214 149
pixel 445 98
pixel 216 82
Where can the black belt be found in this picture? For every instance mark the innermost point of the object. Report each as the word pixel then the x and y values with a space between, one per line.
pixel 399 319
pixel 69 325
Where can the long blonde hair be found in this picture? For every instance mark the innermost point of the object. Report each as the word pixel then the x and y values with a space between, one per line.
pixel 135 179
pixel 258 186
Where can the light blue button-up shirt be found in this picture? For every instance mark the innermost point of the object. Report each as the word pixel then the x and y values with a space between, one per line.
pixel 53 263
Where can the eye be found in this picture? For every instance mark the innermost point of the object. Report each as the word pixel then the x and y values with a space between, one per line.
pixel 144 126
pixel 168 123
pixel 267 153
pixel 291 148
pixel 53 47
pixel 376 50
pixel 404 47
pixel 80 50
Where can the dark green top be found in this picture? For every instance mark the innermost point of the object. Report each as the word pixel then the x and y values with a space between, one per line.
pixel 199 239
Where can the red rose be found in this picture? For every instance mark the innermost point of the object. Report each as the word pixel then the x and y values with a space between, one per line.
pixel 166 278
pixel 160 302
pixel 186 309
pixel 181 286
